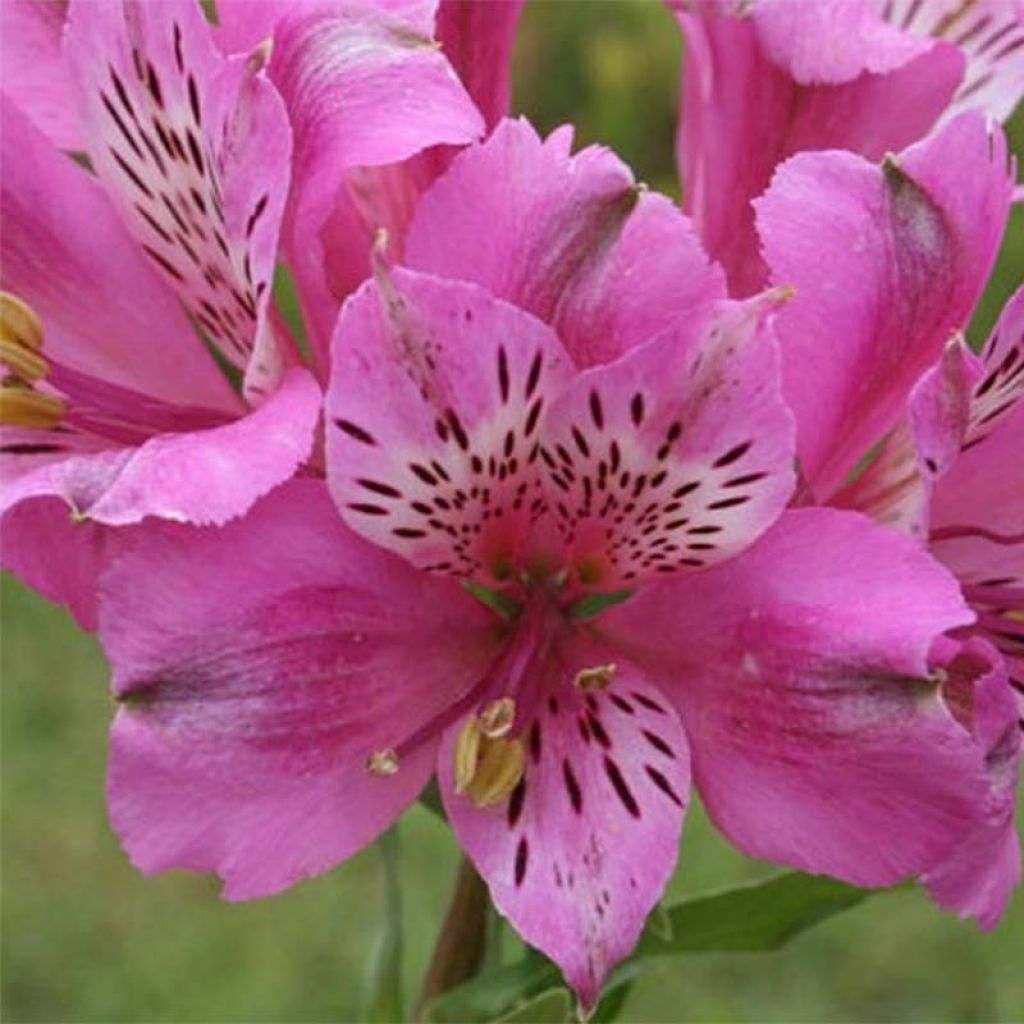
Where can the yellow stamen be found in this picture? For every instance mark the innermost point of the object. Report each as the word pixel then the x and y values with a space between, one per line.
pixel 19 324
pixel 487 765
pixel 1016 614
pixel 22 407
pixel 21 361
pixel 382 763
pixel 467 754
pixel 597 678
pixel 498 771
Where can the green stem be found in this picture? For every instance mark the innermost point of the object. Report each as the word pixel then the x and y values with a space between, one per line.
pixel 459 950
pixel 383 1000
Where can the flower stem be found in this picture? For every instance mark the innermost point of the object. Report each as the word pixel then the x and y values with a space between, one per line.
pixel 459 950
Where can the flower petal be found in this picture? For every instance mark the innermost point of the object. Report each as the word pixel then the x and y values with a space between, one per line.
pixel 568 238
pixel 201 476
pixel 57 557
pixel 742 115
pixel 580 852
pixel 435 401
pixel 676 456
pixel 977 879
pixel 104 312
pixel 260 665
pixel 832 41
pixel 363 87
pixel 194 148
pixel 887 263
pixel 32 70
pixel 800 671
pixel 991 35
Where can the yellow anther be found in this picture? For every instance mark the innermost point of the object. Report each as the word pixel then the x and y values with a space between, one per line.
pixel 467 754
pixel 1015 614
pixel 597 678
pixel 382 763
pixel 488 768
pixel 498 771
pixel 497 719
pixel 21 361
pixel 19 324
pixel 22 407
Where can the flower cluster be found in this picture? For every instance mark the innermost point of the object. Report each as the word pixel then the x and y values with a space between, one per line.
pixel 545 501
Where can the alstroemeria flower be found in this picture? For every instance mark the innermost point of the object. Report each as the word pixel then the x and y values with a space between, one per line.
pixel 768 79
pixel 378 111
pixel 112 405
pixel 947 425
pixel 475 449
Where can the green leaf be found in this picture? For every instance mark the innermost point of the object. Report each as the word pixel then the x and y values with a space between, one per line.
pixel 382 999
pixel 551 1007
pixel 495 994
pixel 753 918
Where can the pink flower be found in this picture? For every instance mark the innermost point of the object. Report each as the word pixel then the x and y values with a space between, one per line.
pixel 898 258
pixel 766 80
pixel 123 413
pixel 537 415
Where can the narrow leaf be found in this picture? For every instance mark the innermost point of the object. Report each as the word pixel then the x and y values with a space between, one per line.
pixel 382 1000
pixel 753 918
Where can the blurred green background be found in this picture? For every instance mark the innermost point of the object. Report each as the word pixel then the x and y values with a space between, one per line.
pixel 85 938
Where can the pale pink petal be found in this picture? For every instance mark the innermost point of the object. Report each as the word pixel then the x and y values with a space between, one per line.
pixel 194 148
pixel 976 880
pixel 742 115
pixel 203 476
pixel 433 411
pixel 800 671
pixel 1002 388
pixel 567 238
pixel 887 263
pixel 991 35
pixel 32 70
pixel 260 665
pixel 104 312
pixel 676 456
pixel 831 41
pixel 580 852
pixel 54 555
pixel 363 87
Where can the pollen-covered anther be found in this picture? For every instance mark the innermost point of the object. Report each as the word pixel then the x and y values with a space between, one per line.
pixel 486 769
pixel 21 338
pixel 497 719
pixel 597 678
pixel 20 406
pixel 382 763
pixel 19 324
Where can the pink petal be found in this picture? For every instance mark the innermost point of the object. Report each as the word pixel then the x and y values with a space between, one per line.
pixel 831 41
pixel 32 70
pixel 567 238
pixel 1002 388
pixel 800 671
pixel 194 148
pixel 991 35
pixel 896 486
pixel 581 851
pixel 478 39
pixel 260 665
pixel 363 88
pixel 434 407
pixel 105 312
pixel 202 476
pixel 742 115
pixel 676 456
pixel 977 879
pixel 887 263
pixel 57 557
